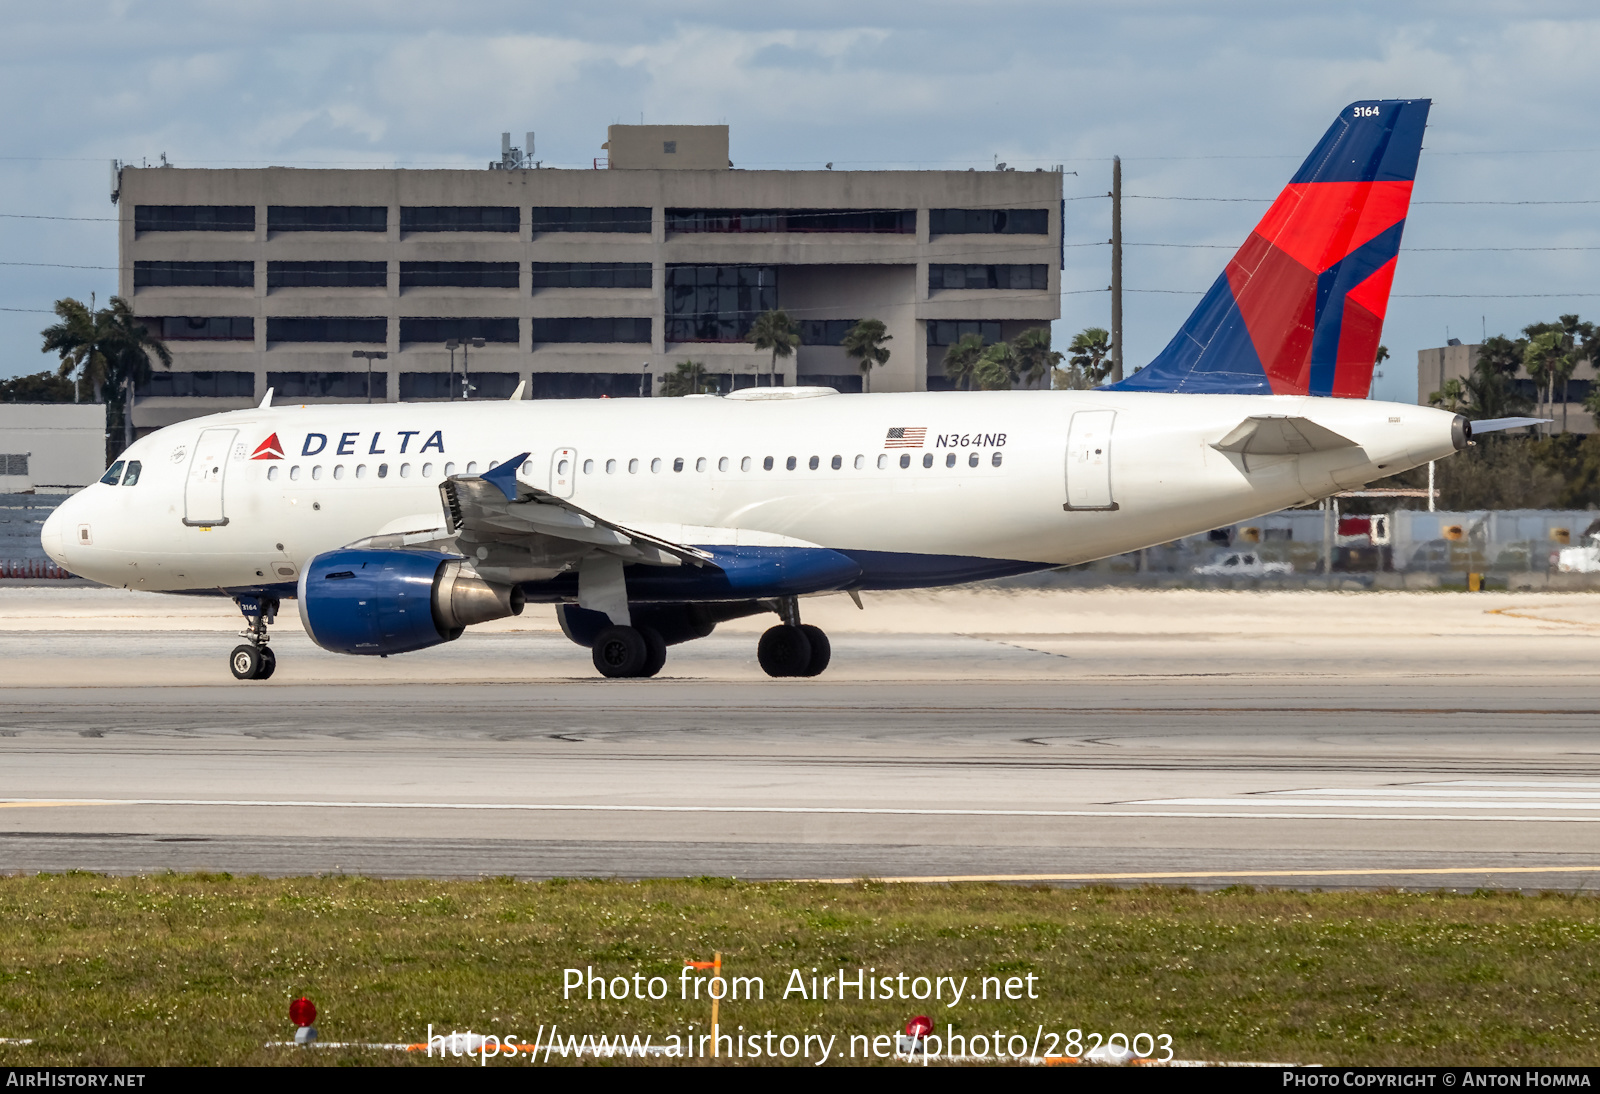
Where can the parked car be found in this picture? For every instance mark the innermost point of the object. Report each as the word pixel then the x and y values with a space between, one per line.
pixel 1243 564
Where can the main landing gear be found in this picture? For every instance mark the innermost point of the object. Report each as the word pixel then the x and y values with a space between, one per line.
pixel 793 648
pixel 254 660
pixel 621 652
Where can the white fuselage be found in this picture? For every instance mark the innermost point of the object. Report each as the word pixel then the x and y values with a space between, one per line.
pixel 348 472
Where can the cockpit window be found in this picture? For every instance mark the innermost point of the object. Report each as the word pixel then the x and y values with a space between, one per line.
pixel 132 477
pixel 112 474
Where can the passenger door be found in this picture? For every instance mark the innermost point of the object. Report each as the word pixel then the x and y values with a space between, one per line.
pixel 563 471
pixel 202 493
pixel 1089 461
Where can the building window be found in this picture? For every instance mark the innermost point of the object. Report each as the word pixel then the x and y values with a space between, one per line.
pixel 591 275
pixel 590 218
pixel 458 275
pixel 947 332
pixel 16 463
pixel 717 303
pixel 209 275
pixel 669 148
pixel 868 221
pixel 194 218
pixel 442 330
pixel 327 328
pixel 327 218
pixel 442 385
pixel 199 385
pixel 332 385
pixel 459 218
pixel 599 329
pixel 202 328
pixel 951 276
pixel 844 383
pixel 327 275
pixel 959 222
pixel 589 385
pixel 824 332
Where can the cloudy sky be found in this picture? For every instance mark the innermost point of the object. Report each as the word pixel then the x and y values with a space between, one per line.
pixel 1212 100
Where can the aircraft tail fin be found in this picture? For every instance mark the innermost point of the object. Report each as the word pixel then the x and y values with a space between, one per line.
pixel 1299 309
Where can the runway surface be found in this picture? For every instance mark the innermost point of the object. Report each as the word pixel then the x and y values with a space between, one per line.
pixel 1307 739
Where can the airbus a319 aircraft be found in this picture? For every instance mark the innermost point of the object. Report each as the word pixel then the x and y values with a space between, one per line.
pixel 648 521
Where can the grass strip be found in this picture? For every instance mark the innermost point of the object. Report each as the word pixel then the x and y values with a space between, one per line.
pixel 200 969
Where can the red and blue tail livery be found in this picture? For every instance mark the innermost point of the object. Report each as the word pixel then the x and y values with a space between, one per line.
pixel 1299 310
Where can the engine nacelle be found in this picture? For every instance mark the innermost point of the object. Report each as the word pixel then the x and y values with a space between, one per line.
pixel 374 601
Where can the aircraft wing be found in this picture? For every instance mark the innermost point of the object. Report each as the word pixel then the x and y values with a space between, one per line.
pixel 509 526
pixel 1280 435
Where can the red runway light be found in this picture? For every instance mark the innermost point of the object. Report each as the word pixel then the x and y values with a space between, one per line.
pixel 303 1012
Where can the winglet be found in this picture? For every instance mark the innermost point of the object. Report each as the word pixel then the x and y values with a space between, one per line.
pixel 266 400
pixel 504 476
pixel 516 396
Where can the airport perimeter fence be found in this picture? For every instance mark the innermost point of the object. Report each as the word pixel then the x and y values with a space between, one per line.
pixel 22 556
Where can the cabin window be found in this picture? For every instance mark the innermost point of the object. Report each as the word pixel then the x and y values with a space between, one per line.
pixel 814 462
pixel 272 473
pixel 700 464
pixel 294 472
pixel 472 467
pixel 790 463
pixel 746 463
pixel 950 460
pixel 838 462
pixel 883 461
pixel 113 474
pixel 927 459
pixel 316 471
pixel 588 467
pixel 449 468
pixel 677 463
pixel 361 470
pixel 338 470
pixel 722 464
pixel 427 470
pixel 766 464
pixel 996 459
pixel 861 461
pixel 905 459
pixel 633 467
pixel 611 467
pixel 655 465
pixel 383 471
pixel 132 477
pixel 972 460
pixel 561 467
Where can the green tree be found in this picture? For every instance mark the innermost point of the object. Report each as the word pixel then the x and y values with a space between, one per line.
pixel 1452 397
pixel 962 358
pixel 864 343
pixel 1545 359
pixel 41 387
pixel 1090 355
pixel 998 368
pixel 776 332
pixel 689 378
pixel 1491 388
pixel 109 351
pixel 1035 358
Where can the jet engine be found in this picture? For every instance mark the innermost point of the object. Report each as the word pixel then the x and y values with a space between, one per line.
pixel 374 601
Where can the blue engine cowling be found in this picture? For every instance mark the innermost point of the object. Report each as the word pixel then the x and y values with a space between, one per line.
pixel 374 601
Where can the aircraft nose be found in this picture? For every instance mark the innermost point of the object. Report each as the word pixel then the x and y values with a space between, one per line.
pixel 53 536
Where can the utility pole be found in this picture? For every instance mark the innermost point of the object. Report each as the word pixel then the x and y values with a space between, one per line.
pixel 1116 268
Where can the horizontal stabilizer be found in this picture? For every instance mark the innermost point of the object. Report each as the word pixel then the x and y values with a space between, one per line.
pixel 1494 425
pixel 1278 435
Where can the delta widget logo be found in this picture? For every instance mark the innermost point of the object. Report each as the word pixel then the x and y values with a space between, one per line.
pixel 268 449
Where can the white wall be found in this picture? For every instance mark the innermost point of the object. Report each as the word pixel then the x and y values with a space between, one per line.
pixel 66 442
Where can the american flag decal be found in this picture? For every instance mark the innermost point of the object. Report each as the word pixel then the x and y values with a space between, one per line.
pixel 906 436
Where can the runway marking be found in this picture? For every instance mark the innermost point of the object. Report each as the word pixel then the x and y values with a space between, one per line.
pixel 840 810
pixel 1212 874
pixel 1457 794
pixel 1523 614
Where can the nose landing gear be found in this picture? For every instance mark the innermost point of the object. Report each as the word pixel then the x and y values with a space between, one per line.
pixel 793 648
pixel 253 660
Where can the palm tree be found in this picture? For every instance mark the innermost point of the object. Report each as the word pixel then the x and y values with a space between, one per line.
pixel 1451 397
pixel 689 378
pixel 1035 358
pixel 998 368
pixel 865 342
pixel 962 358
pixel 1544 359
pixel 775 331
pixel 110 350
pixel 1091 354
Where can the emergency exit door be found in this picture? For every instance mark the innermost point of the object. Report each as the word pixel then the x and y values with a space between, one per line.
pixel 563 471
pixel 1089 461
pixel 202 493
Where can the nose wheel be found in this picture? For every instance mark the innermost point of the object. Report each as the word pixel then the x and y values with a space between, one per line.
pixel 254 660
